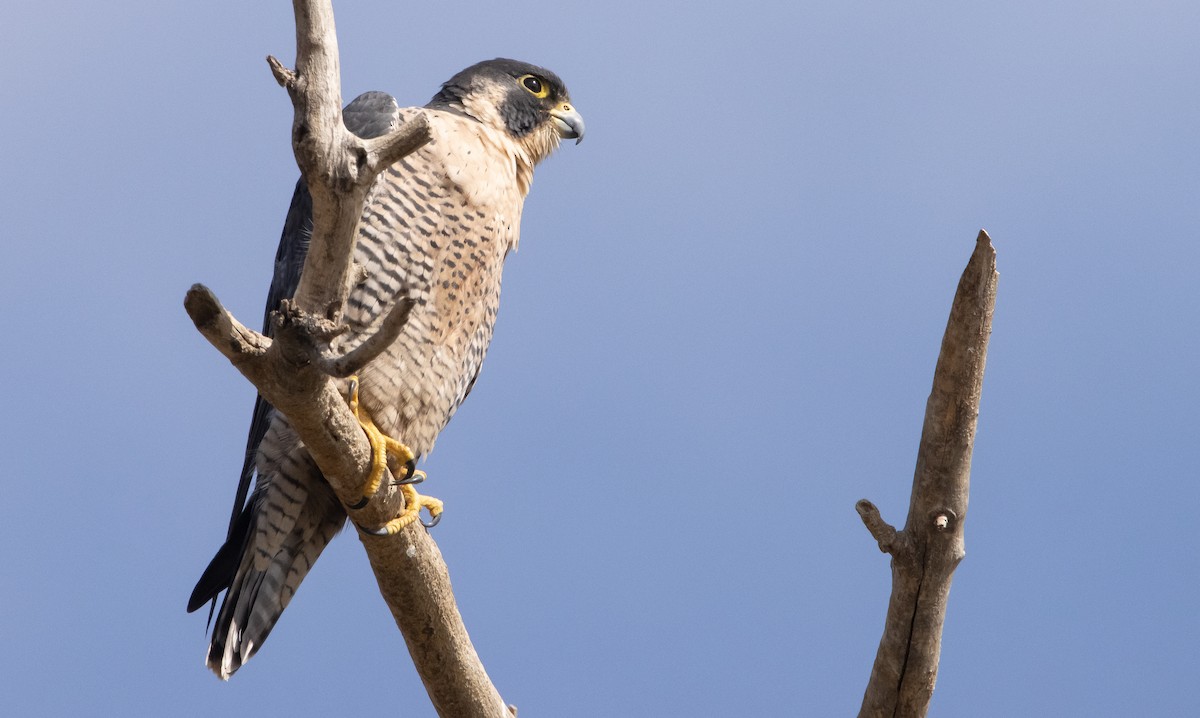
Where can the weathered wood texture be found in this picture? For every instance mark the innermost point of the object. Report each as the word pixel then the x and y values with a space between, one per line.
pixel 931 545
pixel 293 370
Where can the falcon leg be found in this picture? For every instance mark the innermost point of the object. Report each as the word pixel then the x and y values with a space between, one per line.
pixel 381 446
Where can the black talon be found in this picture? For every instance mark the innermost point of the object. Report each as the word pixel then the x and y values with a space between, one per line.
pixel 436 520
pixel 410 468
pixel 370 532
pixel 360 503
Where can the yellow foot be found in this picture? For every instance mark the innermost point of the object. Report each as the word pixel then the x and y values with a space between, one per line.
pixel 413 503
pixel 381 446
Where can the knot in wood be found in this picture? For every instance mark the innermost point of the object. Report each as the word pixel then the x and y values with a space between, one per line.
pixel 943 519
pixel 290 317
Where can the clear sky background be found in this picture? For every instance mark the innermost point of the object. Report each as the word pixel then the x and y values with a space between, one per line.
pixel 719 333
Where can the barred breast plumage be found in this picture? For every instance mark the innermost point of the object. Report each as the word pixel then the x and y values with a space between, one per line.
pixel 436 227
pixel 437 232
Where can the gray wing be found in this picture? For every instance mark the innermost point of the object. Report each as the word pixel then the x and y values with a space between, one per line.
pixel 371 114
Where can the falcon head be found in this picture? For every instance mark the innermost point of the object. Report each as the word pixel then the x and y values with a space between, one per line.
pixel 529 103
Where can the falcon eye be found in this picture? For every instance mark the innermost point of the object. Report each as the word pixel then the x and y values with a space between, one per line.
pixel 535 85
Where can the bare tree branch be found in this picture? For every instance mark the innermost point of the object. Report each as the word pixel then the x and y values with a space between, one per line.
pixel 353 361
pixel 929 548
pixel 293 371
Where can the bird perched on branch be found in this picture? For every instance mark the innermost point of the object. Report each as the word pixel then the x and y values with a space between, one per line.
pixel 435 230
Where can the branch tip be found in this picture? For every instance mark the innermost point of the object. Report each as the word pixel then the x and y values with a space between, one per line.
pixel 283 75
pixel 983 238
pixel 883 532
pixel 202 306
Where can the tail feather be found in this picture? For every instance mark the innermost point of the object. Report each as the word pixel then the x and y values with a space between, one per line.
pixel 290 519
pixel 256 600
pixel 222 568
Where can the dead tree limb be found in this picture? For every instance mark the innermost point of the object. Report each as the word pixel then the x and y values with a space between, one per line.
pixel 929 548
pixel 292 370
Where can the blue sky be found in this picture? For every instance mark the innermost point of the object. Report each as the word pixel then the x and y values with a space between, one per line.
pixel 719 333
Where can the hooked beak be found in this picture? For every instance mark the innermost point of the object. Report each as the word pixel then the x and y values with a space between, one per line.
pixel 568 122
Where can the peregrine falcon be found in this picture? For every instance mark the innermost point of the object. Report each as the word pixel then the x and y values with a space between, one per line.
pixel 435 229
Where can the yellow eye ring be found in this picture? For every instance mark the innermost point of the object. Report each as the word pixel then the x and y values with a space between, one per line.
pixel 535 85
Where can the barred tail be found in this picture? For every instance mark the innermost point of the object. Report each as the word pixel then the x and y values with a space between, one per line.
pixel 274 542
